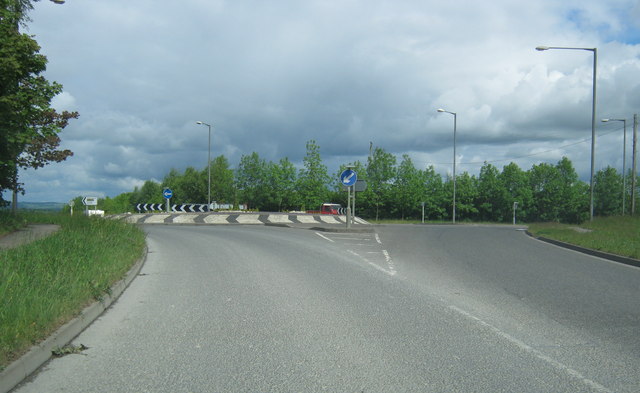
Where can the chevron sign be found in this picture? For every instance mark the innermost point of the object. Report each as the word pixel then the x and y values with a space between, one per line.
pixel 191 208
pixel 150 207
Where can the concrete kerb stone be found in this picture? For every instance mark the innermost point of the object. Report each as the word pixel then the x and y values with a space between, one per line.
pixel 41 353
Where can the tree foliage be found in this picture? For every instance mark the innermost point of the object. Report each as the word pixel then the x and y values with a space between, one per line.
pixel 606 200
pixel 29 126
pixel 313 179
pixel 545 192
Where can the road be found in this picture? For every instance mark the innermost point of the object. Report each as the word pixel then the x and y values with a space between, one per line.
pixel 405 309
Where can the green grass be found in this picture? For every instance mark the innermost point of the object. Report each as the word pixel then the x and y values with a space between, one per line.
pixel 48 282
pixel 615 235
pixel 10 222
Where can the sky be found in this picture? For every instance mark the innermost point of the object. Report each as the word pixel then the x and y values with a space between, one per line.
pixel 270 76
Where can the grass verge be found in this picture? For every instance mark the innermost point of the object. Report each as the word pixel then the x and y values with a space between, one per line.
pixel 10 222
pixel 616 235
pixel 46 283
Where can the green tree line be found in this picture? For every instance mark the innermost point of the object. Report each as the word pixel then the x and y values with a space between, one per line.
pixel 396 189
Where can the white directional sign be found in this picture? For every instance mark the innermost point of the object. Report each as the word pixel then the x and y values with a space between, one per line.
pixel 167 193
pixel 90 201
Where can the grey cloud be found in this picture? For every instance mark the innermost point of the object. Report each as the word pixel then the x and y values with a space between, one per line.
pixel 271 76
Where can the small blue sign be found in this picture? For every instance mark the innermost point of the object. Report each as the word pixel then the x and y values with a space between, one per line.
pixel 348 177
pixel 167 193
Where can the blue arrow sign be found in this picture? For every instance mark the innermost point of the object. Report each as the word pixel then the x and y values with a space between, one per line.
pixel 348 177
pixel 167 193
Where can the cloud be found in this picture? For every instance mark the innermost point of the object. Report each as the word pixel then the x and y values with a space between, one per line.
pixel 271 76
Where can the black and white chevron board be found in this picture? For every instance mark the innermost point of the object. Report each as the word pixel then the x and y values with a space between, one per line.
pixel 159 207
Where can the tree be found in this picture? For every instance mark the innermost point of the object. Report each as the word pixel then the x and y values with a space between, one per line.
pixel 546 186
pixel 313 178
pixel 150 192
pixel 466 194
pixel 573 192
pixel 492 195
pixel 516 185
pixel 222 185
pixel 407 189
pixel 30 127
pixel 188 187
pixel 281 180
pixel 380 172
pixel 606 192
pixel 250 180
pixel 118 204
pixel 433 194
pixel 194 186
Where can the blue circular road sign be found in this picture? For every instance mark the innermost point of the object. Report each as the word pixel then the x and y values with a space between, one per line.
pixel 348 177
pixel 167 193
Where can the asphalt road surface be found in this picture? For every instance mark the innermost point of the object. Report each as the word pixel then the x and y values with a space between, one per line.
pixel 405 309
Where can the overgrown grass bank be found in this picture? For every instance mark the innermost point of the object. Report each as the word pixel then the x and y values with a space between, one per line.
pixel 10 222
pixel 616 235
pixel 46 283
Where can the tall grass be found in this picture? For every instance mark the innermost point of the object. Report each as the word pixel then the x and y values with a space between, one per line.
pixel 47 282
pixel 616 235
pixel 10 222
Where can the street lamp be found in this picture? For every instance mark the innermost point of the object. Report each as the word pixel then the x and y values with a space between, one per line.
pixel 455 120
pixel 208 163
pixel 58 1
pixel 624 158
pixel 593 114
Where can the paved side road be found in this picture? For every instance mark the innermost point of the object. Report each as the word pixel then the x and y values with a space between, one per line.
pixel 27 234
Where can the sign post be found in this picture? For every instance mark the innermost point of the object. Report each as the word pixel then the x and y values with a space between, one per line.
pixel 348 178
pixel 167 194
pixel 89 201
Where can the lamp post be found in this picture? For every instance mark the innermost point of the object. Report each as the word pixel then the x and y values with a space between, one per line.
pixel 455 120
pixel 624 158
pixel 593 114
pixel 208 164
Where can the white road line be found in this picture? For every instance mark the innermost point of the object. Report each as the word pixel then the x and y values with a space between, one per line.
pixel 378 239
pixel 526 348
pixel 389 272
pixel 324 237
pixel 390 264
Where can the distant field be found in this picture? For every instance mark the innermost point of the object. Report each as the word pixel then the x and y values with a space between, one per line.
pixel 48 206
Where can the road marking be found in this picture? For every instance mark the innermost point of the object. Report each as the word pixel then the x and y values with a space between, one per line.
pixel 389 272
pixel 528 349
pixel 324 237
pixel 390 264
